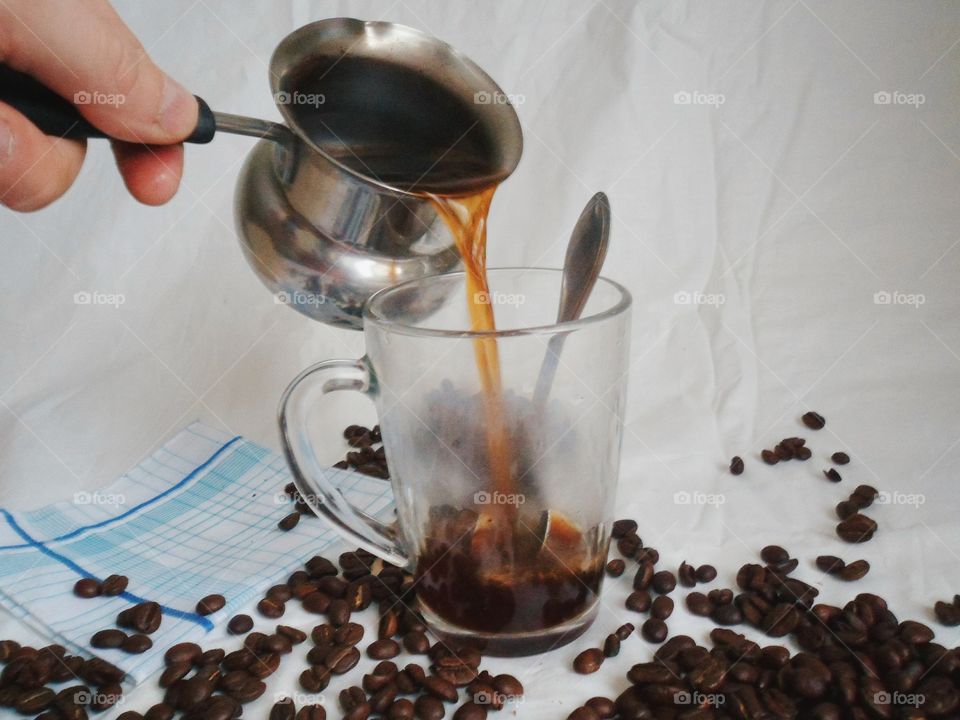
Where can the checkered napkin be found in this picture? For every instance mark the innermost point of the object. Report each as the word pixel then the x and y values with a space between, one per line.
pixel 197 517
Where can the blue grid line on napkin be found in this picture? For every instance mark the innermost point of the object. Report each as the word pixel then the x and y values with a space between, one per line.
pixel 197 517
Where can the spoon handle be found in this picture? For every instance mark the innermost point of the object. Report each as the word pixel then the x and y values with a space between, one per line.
pixel 56 116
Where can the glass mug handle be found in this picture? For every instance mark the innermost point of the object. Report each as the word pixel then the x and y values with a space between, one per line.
pixel 309 475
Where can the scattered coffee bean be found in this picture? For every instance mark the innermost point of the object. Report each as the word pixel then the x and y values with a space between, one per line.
pixel 625 631
pixel 846 509
pixel 383 649
pixel 857 528
pixel 240 624
pixel 769 457
pixel 583 713
pixel 687 575
pixel 283 709
pixel 864 495
pixel 312 712
pixel 662 607
pixel 773 554
pixel 699 604
pixel 427 707
pixel 664 582
pixel 611 646
pixel 144 617
pixel 736 465
pixel 947 613
pixel 706 573
pixel 108 639
pixel 86 588
pixel 588 661
pixel 136 644
pixel 211 604
pixel 639 601
pixel 813 420
pixel 622 528
pixel 832 475
pixel 830 564
pixel 271 608
pixel 840 458
pixel 470 711
pixel 616 567
pixel 114 585
pixel 654 630
pixel 854 571
pixel 289 522
pixel 604 707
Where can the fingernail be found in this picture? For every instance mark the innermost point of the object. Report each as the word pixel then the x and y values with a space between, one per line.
pixel 6 143
pixel 178 109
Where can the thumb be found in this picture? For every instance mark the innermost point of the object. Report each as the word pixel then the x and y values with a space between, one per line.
pixel 89 56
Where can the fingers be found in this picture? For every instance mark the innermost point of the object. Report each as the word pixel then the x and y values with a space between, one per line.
pixel 151 173
pixel 35 169
pixel 84 52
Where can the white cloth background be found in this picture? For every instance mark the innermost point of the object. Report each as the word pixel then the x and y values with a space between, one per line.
pixel 797 200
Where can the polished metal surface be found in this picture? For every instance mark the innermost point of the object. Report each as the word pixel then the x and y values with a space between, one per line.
pixel 252 127
pixel 379 116
pixel 586 251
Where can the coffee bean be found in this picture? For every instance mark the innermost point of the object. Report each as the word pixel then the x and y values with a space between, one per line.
pixel 470 711
pixel 772 554
pixel 292 634
pixel 813 420
pixel 214 656
pixel 947 613
pixel 343 659
pixel 289 522
pixel 583 713
pixel 783 452
pixel 736 465
pixel 625 631
pixel 106 697
pixel 616 567
pixel 864 495
pixel 250 691
pixel 360 712
pixel 780 620
pixel 622 528
pixel 276 644
pixel 240 624
pixel 108 638
pixel 312 712
pixel 136 644
pixel 315 679
pixel 416 642
pixel 316 602
pixel 34 700
pixel 160 711
pixel 727 615
pixel 280 592
pixel 348 634
pixel 769 457
pixel 647 555
pixel 173 672
pixel 840 458
pixel 662 607
pixel 114 585
pixel 706 573
pixel 144 617
pixel 185 652
pixel 654 630
pixel 854 571
pixel 830 564
pixel 271 608
pixel 687 575
pixel 664 582
pixel 509 686
pixel 603 707
pixel 802 453
pixel 611 646
pixel 846 509
pixel 440 688
pixel 639 601
pixel 338 612
pixel 266 664
pixel 720 596
pixel 857 528
pixel 210 604
pixel 383 649
pixel 588 661
pixel 914 632
pixel 428 707
pixel 832 475
pixel 699 604
pixel 283 709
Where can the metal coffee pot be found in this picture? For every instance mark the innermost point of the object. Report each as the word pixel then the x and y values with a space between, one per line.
pixel 334 204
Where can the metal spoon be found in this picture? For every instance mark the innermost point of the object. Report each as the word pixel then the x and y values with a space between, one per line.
pixel 586 252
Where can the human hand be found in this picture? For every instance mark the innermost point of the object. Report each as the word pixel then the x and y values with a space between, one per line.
pixel 83 50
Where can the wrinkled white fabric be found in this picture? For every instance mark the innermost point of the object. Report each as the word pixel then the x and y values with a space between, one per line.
pixel 777 171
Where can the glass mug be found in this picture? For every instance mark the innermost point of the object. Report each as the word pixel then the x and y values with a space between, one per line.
pixel 514 567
